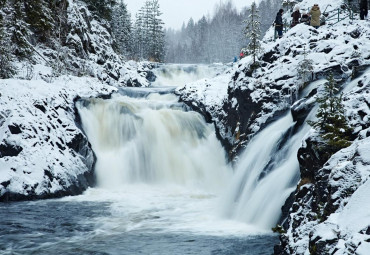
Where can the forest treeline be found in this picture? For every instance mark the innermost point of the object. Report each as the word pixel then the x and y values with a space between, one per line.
pixel 214 38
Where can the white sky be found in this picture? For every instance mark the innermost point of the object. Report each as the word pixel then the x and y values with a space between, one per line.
pixel 175 12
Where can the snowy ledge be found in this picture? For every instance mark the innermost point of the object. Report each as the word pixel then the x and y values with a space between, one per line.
pixel 43 152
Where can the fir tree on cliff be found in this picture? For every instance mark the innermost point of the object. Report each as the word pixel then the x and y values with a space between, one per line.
pixel 102 8
pixel 305 67
pixel 253 33
pixel 331 122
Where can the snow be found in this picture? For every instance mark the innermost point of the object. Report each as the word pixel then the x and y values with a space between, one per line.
pixel 336 47
pixel 349 224
pixel 274 86
pixel 45 135
pixel 280 77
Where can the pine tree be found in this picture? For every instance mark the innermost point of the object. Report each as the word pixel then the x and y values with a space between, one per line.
pixel 253 33
pixel 122 29
pixel 156 33
pixel 7 69
pixel 18 30
pixel 332 124
pixel 305 67
pixel 39 17
pixel 149 33
pixel 138 37
pixel 102 8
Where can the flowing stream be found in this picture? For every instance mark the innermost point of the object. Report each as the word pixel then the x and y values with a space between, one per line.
pixel 164 184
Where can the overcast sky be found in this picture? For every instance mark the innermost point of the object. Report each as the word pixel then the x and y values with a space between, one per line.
pixel 175 12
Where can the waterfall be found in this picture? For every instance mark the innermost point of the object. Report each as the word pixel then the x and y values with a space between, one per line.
pixel 146 137
pixel 152 140
pixel 179 75
pixel 266 174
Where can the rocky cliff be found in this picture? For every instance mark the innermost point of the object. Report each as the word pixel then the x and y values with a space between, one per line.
pixel 333 188
pixel 43 151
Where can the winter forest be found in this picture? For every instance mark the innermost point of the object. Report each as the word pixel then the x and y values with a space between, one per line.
pixel 216 37
pixel 234 127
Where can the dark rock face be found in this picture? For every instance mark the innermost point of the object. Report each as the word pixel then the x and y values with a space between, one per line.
pixel 308 198
pixel 81 146
pixel 8 150
pixel 311 158
pixel 15 129
pixel 240 117
pixel 270 56
pixel 133 83
pixel 150 76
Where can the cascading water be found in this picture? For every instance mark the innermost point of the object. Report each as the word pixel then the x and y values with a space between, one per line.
pixel 160 165
pixel 152 140
pixel 267 172
pixel 178 75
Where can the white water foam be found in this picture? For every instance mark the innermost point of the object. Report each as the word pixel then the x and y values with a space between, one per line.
pixel 181 74
pixel 152 140
pixel 266 174
pixel 161 168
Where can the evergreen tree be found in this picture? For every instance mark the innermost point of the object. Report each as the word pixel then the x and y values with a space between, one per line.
pixel 210 39
pixel 138 37
pixel 18 29
pixel 7 69
pixel 253 33
pixel 331 123
pixel 122 29
pixel 102 8
pixel 148 32
pixel 39 18
pixel 305 67
pixel 156 33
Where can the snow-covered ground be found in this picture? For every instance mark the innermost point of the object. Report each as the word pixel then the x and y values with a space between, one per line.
pixel 44 153
pixel 337 48
pixel 242 102
pixel 37 120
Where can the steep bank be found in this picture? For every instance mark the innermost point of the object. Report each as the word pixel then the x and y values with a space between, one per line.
pixel 242 102
pixel 43 152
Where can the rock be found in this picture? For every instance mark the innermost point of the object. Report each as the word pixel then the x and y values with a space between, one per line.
pixel 15 129
pixel 150 76
pixel 8 150
pixel 270 56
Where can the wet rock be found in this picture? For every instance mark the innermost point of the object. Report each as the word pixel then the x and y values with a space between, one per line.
pixel 133 83
pixel 150 76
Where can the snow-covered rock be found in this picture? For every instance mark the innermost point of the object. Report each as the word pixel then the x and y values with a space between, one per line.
pixel 250 100
pixel 43 152
pixel 329 214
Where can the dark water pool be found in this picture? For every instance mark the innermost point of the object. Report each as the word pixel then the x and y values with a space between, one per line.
pixel 65 227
